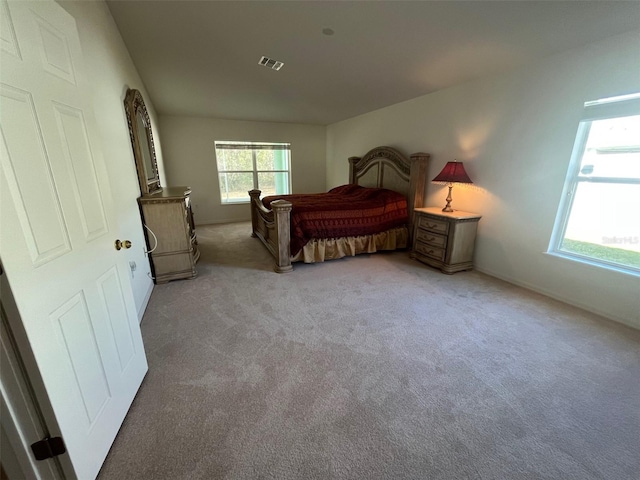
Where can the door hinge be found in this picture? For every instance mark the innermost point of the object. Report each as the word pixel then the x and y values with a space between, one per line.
pixel 48 448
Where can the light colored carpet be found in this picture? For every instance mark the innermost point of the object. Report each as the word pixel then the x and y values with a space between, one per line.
pixel 374 367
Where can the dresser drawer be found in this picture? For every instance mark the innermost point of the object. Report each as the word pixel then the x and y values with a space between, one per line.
pixel 430 251
pixel 433 225
pixel 432 239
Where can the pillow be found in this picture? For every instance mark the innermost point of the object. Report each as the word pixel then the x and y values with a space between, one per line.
pixel 345 189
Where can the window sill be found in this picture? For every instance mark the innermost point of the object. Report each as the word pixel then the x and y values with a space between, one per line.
pixel 242 202
pixel 595 263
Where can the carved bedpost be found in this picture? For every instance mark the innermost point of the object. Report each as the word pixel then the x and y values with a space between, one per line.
pixel 255 197
pixel 352 168
pixel 282 212
pixel 417 184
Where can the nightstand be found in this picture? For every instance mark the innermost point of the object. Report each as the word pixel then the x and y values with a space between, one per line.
pixel 444 240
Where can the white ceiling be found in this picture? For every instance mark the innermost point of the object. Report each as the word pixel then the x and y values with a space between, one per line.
pixel 200 58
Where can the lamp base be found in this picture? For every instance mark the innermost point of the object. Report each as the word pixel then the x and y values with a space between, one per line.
pixel 447 207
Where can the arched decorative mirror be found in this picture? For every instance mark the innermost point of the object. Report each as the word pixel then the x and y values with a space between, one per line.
pixel 142 142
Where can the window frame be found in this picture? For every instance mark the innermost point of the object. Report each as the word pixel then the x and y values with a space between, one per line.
pixel 615 107
pixel 253 147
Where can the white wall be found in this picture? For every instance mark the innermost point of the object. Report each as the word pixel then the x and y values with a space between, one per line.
pixel 111 71
pixel 189 159
pixel 515 133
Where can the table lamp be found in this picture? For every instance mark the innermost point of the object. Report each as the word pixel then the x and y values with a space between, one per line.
pixel 453 172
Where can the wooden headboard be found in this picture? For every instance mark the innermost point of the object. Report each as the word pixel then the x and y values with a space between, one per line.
pixel 386 167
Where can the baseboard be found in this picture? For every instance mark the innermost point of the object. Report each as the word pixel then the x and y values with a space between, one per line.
pixel 145 302
pixel 560 298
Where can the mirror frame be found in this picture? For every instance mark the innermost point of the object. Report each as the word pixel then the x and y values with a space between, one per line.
pixel 134 104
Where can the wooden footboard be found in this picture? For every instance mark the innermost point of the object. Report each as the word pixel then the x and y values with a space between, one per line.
pixel 273 228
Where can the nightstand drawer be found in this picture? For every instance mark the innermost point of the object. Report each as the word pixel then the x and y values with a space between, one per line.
pixel 431 238
pixel 433 225
pixel 429 251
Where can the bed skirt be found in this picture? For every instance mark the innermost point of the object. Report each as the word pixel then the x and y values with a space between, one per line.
pixel 319 250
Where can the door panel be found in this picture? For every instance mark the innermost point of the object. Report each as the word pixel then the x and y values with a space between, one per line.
pixel 73 325
pixel 54 50
pixel 8 41
pixel 31 183
pixel 73 135
pixel 71 286
pixel 123 339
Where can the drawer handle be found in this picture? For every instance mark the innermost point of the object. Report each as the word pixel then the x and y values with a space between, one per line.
pixel 435 225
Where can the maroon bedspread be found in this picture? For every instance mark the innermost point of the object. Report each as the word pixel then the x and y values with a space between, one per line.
pixel 345 211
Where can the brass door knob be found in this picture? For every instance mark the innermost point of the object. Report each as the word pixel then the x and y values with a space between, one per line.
pixel 122 244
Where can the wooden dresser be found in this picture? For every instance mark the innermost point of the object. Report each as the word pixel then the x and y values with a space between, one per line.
pixel 167 213
pixel 444 240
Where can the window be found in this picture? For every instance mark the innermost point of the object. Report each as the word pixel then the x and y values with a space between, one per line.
pixel 244 166
pixel 599 216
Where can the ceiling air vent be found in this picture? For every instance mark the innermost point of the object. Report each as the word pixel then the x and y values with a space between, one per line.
pixel 269 62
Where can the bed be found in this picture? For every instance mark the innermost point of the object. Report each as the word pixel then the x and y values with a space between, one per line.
pixel 380 170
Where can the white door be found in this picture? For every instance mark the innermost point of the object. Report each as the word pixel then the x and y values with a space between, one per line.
pixel 57 233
